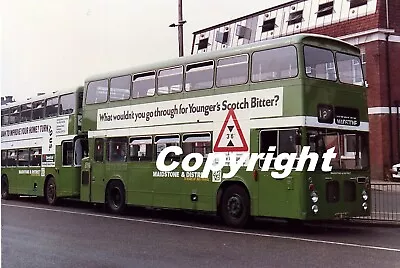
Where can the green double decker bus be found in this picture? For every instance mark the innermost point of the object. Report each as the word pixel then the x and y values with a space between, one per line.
pixel 42 145
pixel 271 97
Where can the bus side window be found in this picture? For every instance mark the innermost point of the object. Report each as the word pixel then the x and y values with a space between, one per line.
pixel 35 155
pixel 162 142
pixel 12 158
pixel 268 138
pixel 117 149
pixel 140 149
pixel 98 150
pixel 67 153
pixel 197 143
pixel 81 150
pixel 23 157
pixel 3 158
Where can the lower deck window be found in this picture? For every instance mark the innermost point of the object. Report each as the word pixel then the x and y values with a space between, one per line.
pixel 117 149
pixel 140 149
pixel 162 142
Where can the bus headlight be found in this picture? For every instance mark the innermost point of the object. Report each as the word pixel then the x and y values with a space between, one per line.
pixel 365 206
pixel 315 209
pixel 364 195
pixel 314 197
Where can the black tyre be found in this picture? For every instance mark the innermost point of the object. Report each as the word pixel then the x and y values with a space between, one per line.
pixel 115 197
pixel 51 192
pixel 235 206
pixel 4 188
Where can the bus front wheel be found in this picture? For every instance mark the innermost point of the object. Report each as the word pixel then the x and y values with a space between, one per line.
pixel 115 197
pixel 51 193
pixel 4 188
pixel 235 206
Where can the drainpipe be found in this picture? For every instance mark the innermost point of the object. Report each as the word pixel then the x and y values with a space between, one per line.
pixel 389 98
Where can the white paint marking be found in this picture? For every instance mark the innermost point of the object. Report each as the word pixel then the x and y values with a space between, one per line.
pixel 210 229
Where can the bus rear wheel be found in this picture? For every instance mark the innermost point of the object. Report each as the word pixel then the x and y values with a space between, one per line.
pixel 51 192
pixel 4 188
pixel 115 197
pixel 235 206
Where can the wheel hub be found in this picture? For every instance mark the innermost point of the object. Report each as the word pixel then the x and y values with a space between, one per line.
pixel 235 207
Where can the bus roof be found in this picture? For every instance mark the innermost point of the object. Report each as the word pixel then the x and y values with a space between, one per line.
pixel 41 97
pixel 265 44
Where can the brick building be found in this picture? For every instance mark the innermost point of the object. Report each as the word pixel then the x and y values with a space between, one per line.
pixel 372 25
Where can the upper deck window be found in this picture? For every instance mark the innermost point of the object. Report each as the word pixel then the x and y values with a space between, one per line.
pixel 4 117
pixel 120 88
pixel 271 64
pixel 319 63
pixel 143 85
pixel 67 104
pixel 97 92
pixel 349 69
pixel 14 115
pixel 38 110
pixel 232 71
pixel 52 107
pixel 199 76
pixel 26 112
pixel 170 80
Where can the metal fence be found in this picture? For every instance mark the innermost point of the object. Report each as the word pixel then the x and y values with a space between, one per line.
pixel 385 202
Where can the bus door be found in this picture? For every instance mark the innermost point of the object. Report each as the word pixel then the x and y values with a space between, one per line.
pixel 68 177
pixel 93 174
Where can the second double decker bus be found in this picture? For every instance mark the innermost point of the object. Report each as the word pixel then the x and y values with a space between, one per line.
pixel 42 145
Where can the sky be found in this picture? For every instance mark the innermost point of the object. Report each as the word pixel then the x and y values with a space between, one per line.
pixel 48 45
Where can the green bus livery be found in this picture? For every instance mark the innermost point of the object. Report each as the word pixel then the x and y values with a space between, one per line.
pixel 275 96
pixel 42 145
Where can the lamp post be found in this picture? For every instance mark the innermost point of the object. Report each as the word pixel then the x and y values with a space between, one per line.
pixel 180 28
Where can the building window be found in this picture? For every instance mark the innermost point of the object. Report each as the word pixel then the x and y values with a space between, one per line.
pixel 325 9
pixel 357 3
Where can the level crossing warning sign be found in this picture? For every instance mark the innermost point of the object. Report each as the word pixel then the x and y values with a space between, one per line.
pixel 231 138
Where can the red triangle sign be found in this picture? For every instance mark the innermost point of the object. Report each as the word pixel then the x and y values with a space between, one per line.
pixel 230 138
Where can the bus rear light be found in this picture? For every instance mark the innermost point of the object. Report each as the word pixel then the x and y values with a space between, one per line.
pixel 364 195
pixel 311 187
